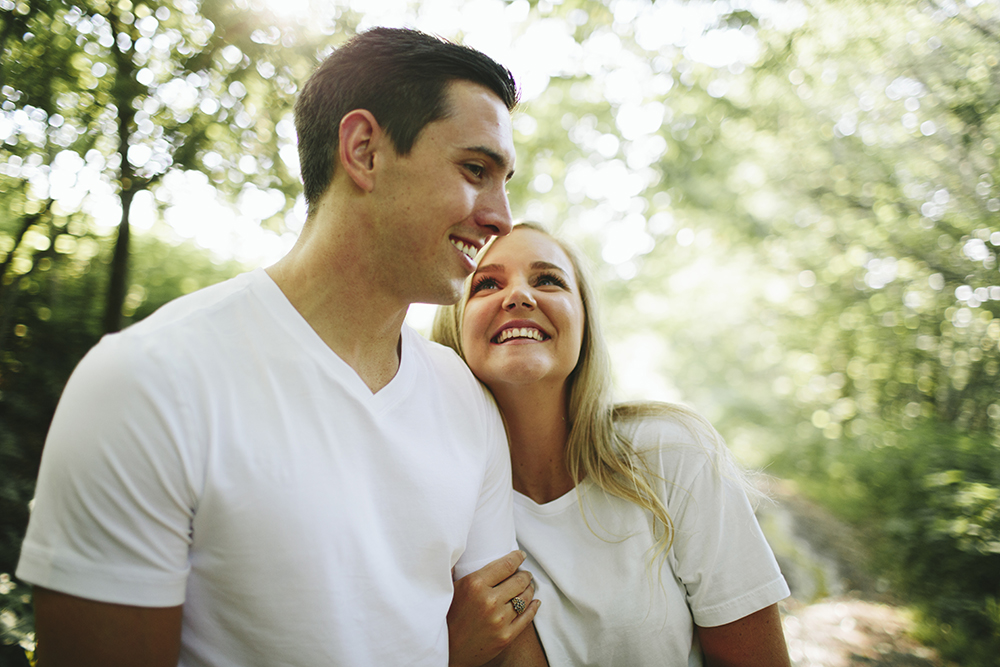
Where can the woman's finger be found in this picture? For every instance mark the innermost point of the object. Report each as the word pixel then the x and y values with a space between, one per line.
pixel 522 620
pixel 501 569
pixel 518 585
pixel 525 597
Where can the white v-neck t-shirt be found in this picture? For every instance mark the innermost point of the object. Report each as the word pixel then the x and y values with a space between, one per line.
pixel 602 603
pixel 218 454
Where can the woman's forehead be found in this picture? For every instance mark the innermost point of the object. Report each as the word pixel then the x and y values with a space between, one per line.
pixel 526 245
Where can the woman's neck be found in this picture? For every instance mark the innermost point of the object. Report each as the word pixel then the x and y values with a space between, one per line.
pixel 538 431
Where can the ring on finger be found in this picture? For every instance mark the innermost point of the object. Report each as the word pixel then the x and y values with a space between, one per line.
pixel 518 605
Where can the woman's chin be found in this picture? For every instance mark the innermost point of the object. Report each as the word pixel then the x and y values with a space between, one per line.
pixel 527 377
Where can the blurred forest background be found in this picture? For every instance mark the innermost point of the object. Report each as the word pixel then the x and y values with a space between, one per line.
pixel 792 207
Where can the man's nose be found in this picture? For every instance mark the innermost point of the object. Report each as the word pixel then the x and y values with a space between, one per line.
pixel 494 214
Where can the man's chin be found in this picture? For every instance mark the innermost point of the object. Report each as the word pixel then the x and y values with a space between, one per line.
pixel 446 297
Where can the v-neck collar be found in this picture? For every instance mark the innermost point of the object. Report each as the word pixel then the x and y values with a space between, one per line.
pixel 305 338
pixel 556 505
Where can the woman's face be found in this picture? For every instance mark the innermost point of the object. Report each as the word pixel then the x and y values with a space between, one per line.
pixel 523 322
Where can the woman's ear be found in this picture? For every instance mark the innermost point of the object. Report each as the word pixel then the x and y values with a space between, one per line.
pixel 360 134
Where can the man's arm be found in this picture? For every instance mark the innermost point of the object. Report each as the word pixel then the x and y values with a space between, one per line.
pixel 755 640
pixel 76 632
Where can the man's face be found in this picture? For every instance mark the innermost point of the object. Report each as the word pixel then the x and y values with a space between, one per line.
pixel 440 203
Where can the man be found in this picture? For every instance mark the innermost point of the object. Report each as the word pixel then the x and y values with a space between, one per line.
pixel 274 470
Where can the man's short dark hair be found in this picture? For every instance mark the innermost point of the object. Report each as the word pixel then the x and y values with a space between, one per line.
pixel 401 77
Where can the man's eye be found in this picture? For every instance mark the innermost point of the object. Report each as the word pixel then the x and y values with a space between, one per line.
pixel 476 169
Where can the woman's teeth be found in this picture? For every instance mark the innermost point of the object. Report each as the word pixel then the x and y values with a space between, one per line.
pixel 525 332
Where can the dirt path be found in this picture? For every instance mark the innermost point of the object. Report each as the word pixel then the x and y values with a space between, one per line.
pixel 839 615
pixel 846 631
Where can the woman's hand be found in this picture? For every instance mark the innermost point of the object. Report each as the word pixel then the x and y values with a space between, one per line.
pixel 482 621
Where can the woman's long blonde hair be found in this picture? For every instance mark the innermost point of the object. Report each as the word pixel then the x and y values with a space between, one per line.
pixel 596 448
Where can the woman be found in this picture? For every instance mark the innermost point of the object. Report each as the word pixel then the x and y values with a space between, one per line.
pixel 636 522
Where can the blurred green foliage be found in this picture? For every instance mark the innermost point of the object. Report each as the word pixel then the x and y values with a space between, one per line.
pixel 811 259
pixel 927 505
pixel 792 209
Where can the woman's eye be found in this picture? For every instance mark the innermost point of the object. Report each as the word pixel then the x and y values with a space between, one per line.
pixel 549 279
pixel 483 283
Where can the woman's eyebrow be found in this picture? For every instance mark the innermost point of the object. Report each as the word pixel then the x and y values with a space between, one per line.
pixel 489 268
pixel 537 266
pixel 548 266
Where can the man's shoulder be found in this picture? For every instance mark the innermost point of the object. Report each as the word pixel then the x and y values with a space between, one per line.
pixel 190 308
pixel 449 371
pixel 439 358
pixel 192 329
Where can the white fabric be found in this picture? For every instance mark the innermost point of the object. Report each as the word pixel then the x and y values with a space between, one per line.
pixel 220 455
pixel 601 602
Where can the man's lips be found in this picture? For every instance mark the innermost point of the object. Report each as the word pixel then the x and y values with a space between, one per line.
pixel 519 330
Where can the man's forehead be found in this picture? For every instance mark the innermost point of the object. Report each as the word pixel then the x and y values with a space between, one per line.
pixel 483 122
pixel 469 96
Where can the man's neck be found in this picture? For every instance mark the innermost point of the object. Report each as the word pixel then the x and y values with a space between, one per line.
pixel 332 288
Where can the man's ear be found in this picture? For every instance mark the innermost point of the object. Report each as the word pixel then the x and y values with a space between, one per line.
pixel 360 135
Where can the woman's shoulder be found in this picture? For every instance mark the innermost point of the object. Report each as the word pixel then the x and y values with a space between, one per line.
pixel 671 437
pixel 678 444
pixel 650 425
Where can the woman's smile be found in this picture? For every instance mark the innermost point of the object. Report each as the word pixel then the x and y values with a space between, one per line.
pixel 519 331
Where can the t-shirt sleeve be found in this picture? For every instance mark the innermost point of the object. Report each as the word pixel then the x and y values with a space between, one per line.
pixel 111 519
pixel 492 532
pixel 719 554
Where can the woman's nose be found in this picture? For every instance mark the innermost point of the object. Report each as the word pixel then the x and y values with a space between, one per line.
pixel 519 297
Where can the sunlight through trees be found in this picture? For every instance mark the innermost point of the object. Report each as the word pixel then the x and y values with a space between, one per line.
pixel 792 208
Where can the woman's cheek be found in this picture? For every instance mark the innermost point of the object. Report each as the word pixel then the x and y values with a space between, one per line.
pixel 471 343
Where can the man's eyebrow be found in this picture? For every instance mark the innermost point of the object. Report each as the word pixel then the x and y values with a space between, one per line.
pixel 497 158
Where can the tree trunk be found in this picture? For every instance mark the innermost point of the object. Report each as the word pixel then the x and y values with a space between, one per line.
pixel 125 94
pixel 10 286
pixel 118 283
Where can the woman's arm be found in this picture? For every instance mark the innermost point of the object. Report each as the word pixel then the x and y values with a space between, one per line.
pixel 756 640
pixel 482 624
pixel 524 651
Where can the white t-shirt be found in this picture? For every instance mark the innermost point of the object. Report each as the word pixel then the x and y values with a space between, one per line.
pixel 602 602
pixel 220 455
